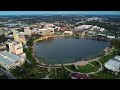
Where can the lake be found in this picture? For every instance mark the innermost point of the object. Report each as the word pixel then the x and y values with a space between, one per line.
pixel 67 50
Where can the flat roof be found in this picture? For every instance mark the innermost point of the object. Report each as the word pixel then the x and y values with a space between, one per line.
pixel 112 64
pixel 117 58
pixel 8 58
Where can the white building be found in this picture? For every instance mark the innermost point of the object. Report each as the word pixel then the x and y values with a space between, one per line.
pixel 46 31
pixel 9 60
pixel 113 64
pixel 102 29
pixel 67 32
pixel 19 37
pixel 28 31
pixel 110 37
pixel 84 26
pixel 49 25
pixel 16 48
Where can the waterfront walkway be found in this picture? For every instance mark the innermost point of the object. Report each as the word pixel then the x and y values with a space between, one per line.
pixel 87 62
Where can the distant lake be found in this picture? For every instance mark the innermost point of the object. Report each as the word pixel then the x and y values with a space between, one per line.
pixel 68 50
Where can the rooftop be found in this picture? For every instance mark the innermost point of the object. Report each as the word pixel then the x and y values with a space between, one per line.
pixel 113 64
pixel 8 58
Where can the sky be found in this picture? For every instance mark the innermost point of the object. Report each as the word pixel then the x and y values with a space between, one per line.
pixel 58 12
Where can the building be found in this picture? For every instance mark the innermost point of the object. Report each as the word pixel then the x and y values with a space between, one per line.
pixel 67 33
pixel 35 31
pixel 46 31
pixel 16 48
pixel 84 27
pixel 49 25
pixel 1 32
pixel 110 37
pixel 28 31
pixel 19 37
pixel 113 64
pixel 9 60
pixel 83 34
pixel 22 39
pixel 2 46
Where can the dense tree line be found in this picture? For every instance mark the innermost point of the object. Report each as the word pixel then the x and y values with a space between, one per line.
pixel 116 44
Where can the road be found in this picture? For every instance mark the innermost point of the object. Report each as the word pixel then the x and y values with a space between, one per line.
pixel 9 76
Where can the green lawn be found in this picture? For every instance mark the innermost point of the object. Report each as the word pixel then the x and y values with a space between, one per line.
pixel 96 64
pixel 106 58
pixel 104 75
pixel 87 68
pixel 72 67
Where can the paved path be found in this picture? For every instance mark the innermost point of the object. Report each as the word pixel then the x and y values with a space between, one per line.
pixel 100 69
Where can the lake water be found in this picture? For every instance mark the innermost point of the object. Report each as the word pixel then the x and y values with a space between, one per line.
pixel 62 50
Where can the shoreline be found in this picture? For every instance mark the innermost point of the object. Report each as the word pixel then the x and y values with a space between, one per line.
pixel 80 63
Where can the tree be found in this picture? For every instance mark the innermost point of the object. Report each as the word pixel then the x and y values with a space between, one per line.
pixel 30 42
pixel 72 67
pixel 115 43
pixel 3 38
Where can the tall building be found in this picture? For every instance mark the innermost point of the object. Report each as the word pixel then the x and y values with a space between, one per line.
pixel 16 48
pixel 15 35
pixel 19 37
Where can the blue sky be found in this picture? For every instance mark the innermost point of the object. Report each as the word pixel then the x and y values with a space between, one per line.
pixel 58 12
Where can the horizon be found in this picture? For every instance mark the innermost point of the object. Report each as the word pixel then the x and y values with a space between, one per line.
pixel 7 13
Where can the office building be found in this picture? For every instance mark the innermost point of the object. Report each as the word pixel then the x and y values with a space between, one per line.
pixel 9 60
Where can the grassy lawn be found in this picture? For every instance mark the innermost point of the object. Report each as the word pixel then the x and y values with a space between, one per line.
pixel 106 58
pixel 96 64
pixel 87 68
pixel 72 67
pixel 104 75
